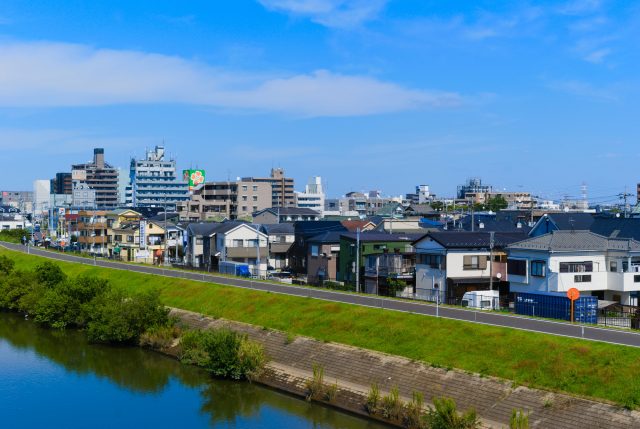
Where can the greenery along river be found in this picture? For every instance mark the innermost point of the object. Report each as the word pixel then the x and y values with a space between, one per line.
pixel 55 379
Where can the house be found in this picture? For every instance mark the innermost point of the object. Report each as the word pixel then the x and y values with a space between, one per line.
pixel 452 263
pixel 198 248
pixel 562 222
pixel 370 243
pixel 241 242
pixel 488 222
pixel 423 211
pixel 281 237
pixel 303 231
pixel 12 221
pixel 608 268
pixel 285 214
pixel 137 240
pixel 322 258
pixel 380 270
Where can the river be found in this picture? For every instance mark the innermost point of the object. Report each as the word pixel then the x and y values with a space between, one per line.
pixel 55 379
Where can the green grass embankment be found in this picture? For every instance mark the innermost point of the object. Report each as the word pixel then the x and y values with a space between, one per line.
pixel 584 368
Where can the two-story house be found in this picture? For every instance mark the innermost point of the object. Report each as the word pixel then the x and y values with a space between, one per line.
pixel 608 268
pixel 281 238
pixel 322 257
pixel 451 263
pixel 242 242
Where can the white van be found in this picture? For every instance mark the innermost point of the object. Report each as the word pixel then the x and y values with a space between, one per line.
pixel 482 299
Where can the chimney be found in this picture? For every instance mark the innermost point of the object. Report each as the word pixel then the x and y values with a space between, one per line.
pixel 98 157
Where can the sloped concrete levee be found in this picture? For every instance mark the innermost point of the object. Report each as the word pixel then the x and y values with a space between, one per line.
pixel 354 370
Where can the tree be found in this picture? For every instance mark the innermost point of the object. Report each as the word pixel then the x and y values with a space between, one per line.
pixel 6 265
pixel 498 203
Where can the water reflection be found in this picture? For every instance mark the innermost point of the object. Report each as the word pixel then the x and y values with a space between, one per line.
pixel 222 403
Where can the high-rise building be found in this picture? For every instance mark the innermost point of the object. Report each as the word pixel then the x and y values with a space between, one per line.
pixel 99 176
pixel 154 183
pixel 62 184
pixel 283 194
pixel 41 192
pixel 313 196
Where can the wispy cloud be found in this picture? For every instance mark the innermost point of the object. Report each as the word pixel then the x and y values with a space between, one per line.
pixel 584 90
pixel 330 13
pixel 579 7
pixel 57 74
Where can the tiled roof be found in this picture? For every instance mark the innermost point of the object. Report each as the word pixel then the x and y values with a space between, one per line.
pixel 567 241
pixel 572 221
pixel 326 237
pixel 278 228
pixel 474 240
pixel 289 211
pixel 368 236
pixel 617 227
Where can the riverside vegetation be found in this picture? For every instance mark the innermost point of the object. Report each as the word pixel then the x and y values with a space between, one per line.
pixel 596 370
pixel 116 316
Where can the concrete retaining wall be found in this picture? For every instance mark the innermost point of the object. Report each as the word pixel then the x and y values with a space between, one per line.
pixel 355 369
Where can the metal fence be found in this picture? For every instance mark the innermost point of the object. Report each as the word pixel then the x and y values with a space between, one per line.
pixel 620 316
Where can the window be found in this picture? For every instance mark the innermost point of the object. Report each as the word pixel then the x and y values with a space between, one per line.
pixel 252 243
pixel 255 198
pixel 582 278
pixel 238 243
pixel 517 267
pixel 118 238
pixel 636 279
pixel 538 268
pixel 255 188
pixel 244 187
pixel 475 262
pixel 576 267
pixel 433 261
pixel 198 241
pixel 613 266
pixel 244 208
pixel 244 198
pixel 315 250
pixel 129 238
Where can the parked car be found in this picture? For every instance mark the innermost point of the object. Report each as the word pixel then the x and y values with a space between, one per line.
pixel 282 276
pixel 482 299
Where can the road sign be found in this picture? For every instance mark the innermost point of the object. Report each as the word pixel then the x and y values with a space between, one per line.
pixel 573 294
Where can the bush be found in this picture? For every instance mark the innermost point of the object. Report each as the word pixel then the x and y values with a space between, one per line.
pixel 519 420
pixel 118 318
pixel 414 418
pixel 6 265
pixel 373 398
pixel 14 235
pixel 446 416
pixel 14 287
pixel 392 405
pixel 160 337
pixel 315 386
pixel 49 274
pixel 338 286
pixel 222 352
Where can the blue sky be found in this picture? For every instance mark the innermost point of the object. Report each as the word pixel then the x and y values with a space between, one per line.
pixel 369 94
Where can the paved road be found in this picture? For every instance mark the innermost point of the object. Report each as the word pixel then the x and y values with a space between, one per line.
pixel 587 332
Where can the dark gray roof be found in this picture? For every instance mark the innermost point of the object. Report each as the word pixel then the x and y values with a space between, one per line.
pixel 571 221
pixel 369 236
pixel 277 228
pixel 489 224
pixel 617 227
pixel 568 241
pixel 474 240
pixel 315 227
pixel 203 228
pixel 326 237
pixel 289 211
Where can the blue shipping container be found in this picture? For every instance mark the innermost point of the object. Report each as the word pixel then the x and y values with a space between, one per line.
pixel 557 306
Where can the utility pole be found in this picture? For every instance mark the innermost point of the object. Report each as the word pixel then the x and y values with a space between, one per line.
pixel 258 252
pixel 357 260
pixel 166 235
pixel 624 197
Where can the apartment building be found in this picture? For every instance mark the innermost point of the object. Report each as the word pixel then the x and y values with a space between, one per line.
pixel 282 192
pixel 154 182
pixel 99 176
pixel 216 201
pixel 92 231
pixel 313 196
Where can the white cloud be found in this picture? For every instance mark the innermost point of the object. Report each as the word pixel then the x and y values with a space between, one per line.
pixel 597 56
pixel 580 7
pixel 330 13
pixel 56 74
pixel 584 90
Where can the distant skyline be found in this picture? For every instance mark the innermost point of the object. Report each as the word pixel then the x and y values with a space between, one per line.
pixel 369 94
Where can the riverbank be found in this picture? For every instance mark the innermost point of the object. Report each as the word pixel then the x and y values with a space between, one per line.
pixel 291 363
pixel 593 369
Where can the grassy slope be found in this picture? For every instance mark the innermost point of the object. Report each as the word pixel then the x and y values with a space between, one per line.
pixel 538 360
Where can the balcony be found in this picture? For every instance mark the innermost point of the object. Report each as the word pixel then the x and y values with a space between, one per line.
pixel 245 252
pixel 280 247
pixel 92 225
pixel 100 239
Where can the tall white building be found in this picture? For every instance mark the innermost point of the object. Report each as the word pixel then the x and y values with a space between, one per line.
pixel 41 196
pixel 313 196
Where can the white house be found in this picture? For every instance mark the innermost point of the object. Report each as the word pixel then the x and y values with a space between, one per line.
pixel 455 262
pixel 281 238
pixel 242 242
pixel 608 268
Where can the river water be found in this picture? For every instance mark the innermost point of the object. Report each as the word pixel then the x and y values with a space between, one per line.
pixel 55 379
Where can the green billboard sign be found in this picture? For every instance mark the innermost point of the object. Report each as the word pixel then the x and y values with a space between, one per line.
pixel 193 177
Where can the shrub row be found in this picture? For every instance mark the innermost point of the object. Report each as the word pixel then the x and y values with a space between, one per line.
pixel 50 298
